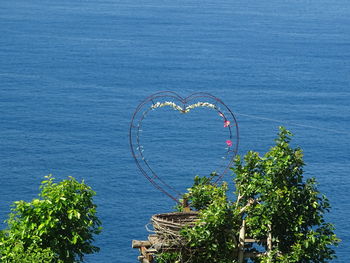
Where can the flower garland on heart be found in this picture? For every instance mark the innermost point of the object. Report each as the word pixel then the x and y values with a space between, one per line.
pixel 187 109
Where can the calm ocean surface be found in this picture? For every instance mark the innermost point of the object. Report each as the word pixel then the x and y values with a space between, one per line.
pixel 72 73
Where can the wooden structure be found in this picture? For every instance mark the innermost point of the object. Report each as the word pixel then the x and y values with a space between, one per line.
pixel 154 245
pixel 147 248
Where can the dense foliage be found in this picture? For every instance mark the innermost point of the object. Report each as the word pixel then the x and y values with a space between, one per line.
pixel 294 208
pixel 212 239
pixel 20 254
pixel 271 197
pixel 57 227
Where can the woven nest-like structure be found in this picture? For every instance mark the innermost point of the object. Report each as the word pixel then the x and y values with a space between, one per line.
pixel 167 226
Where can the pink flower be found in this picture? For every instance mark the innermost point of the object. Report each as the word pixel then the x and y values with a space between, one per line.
pixel 229 143
pixel 227 123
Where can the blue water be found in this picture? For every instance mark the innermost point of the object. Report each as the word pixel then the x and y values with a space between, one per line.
pixel 72 73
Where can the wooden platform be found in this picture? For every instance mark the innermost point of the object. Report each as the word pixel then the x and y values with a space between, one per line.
pixel 149 248
pixel 153 246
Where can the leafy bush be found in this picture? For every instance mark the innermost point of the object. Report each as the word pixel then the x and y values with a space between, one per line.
pixel 32 254
pixel 169 257
pixel 213 238
pixel 203 192
pixel 60 225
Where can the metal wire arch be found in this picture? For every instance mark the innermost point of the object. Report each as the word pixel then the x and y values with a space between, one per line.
pixel 184 101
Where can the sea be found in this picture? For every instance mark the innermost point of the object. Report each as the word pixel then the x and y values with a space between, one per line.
pixel 72 74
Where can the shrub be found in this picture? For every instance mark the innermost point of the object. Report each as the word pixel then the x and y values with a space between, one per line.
pixel 60 224
pixel 18 254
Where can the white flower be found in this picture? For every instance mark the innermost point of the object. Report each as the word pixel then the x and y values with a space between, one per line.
pixel 183 110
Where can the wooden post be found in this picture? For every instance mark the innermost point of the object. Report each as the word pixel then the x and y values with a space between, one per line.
pixel 139 244
pixel 186 207
pixel 241 242
pixel 142 259
pixel 143 246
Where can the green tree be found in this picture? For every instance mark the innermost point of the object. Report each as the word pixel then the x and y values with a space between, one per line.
pixel 60 224
pixel 272 197
pixel 283 200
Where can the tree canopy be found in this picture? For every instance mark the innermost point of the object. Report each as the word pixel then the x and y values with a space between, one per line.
pixel 273 198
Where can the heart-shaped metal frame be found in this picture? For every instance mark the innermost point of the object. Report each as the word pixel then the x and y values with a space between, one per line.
pixel 138 116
